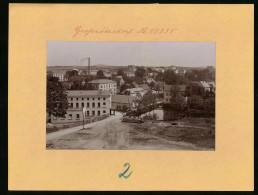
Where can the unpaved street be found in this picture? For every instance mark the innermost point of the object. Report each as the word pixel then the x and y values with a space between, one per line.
pixel 112 134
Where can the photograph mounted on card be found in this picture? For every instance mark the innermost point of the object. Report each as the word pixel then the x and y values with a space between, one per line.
pixel 104 97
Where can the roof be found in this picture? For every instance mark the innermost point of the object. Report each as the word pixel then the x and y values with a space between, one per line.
pixel 211 83
pixel 100 81
pixel 134 90
pixel 125 99
pixel 145 86
pixel 204 84
pixel 83 93
pixel 168 87
pixel 134 84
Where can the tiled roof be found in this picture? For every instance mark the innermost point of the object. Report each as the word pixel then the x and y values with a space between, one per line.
pixel 101 81
pixel 125 99
pixel 168 87
pixel 83 93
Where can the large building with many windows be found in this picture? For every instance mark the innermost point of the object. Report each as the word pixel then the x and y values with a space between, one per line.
pixel 104 84
pixel 96 103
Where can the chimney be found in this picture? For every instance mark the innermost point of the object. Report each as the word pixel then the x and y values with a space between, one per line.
pixel 89 66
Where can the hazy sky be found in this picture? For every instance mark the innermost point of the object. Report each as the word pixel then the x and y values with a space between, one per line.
pixel 65 53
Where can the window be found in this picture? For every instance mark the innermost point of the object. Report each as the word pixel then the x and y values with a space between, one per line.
pixel 104 111
pixel 54 117
pixel 82 98
pixel 88 105
pixel 93 113
pixel 77 116
pixel 93 98
pixel 93 105
pixel 98 98
pixel 77 105
pixel 71 98
pixel 62 118
pixel 104 98
pixel 82 104
pixel 88 113
pixel 88 98
pixel 70 117
pixel 98 105
pixel 104 103
pixel 98 112
pixel 77 98
pixel 71 105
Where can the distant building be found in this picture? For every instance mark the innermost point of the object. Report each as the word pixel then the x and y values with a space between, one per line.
pixel 167 91
pixel 136 92
pixel 150 79
pixel 159 69
pixel 123 102
pixel 104 84
pixel 202 84
pixel 97 103
pixel 210 68
pixel 132 68
pixel 212 84
pixel 119 80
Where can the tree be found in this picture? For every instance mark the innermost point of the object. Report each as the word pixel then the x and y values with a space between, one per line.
pixel 152 85
pixel 192 89
pixel 194 102
pixel 177 101
pixel 100 75
pixel 120 72
pixel 57 103
pixel 70 73
pixel 209 104
pixel 140 72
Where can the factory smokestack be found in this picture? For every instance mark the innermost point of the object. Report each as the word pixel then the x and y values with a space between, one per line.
pixel 83 60
pixel 89 66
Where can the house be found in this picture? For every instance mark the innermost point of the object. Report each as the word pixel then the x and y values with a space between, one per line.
pixel 104 84
pixel 123 102
pixel 159 69
pixel 96 103
pixel 135 92
pixel 129 74
pixel 145 87
pixel 181 72
pixel 205 85
pixel 167 91
pixel 119 80
pixel 212 93
pixel 202 84
pixel 150 79
pixel 212 84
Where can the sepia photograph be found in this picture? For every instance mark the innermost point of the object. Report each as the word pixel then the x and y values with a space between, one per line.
pixel 130 95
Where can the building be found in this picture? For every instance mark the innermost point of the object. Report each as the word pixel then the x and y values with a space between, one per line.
pixel 212 84
pixel 150 79
pixel 97 103
pixel 202 84
pixel 145 87
pixel 123 102
pixel 60 74
pixel 104 84
pixel 159 69
pixel 119 80
pixel 210 68
pixel 132 68
pixel 135 92
pixel 167 91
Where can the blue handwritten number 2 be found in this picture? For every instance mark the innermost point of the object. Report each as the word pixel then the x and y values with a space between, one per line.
pixel 123 174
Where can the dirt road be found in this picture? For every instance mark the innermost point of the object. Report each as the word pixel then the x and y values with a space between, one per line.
pixel 112 134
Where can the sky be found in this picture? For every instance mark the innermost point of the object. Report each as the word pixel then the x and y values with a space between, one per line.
pixel 186 54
